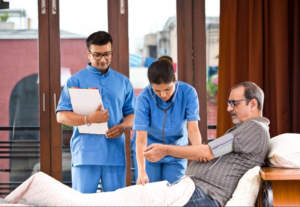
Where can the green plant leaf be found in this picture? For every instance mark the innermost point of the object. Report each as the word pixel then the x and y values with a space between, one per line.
pixel 66 127
pixel 4 17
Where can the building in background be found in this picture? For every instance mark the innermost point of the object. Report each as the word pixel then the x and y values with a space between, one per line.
pixel 164 42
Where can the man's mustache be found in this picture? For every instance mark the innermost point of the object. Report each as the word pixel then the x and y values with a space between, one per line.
pixel 232 113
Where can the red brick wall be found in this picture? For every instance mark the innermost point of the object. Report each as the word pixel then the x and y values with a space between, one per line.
pixel 211 118
pixel 18 59
pixel 73 54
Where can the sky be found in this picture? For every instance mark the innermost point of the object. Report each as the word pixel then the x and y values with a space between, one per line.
pixel 88 16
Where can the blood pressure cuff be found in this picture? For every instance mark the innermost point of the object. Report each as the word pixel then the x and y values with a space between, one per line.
pixel 223 145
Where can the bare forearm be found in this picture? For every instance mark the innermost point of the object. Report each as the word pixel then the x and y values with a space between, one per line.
pixel 140 157
pixel 73 119
pixel 195 137
pixel 189 152
pixel 127 121
pixel 70 118
pixel 194 133
pixel 141 144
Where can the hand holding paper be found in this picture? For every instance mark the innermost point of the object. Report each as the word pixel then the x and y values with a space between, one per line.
pixel 98 116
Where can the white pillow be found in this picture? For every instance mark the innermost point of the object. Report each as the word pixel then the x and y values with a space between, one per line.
pixel 285 151
pixel 247 189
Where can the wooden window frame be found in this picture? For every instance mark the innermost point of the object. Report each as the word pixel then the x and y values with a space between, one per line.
pixel 49 85
pixel 118 28
pixel 191 41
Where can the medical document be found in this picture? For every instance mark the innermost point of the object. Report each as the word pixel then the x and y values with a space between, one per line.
pixel 84 102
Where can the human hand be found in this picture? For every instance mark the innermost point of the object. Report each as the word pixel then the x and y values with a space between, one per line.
pixel 202 159
pixel 115 131
pixel 155 152
pixel 142 179
pixel 98 116
pixel 206 158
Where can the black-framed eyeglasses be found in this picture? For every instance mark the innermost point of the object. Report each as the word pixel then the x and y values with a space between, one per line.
pixel 233 102
pixel 98 56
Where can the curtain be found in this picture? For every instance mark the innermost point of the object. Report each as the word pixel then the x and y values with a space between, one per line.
pixel 259 42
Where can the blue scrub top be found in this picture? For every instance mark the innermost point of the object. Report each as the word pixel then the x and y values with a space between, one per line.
pixel 148 117
pixel 118 98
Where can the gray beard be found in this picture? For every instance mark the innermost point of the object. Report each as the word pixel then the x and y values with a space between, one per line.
pixel 236 121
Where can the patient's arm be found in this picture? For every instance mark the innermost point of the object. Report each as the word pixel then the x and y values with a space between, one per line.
pixel 219 147
pixel 155 152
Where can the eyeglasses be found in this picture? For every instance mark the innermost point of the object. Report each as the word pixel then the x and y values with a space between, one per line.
pixel 233 102
pixel 98 56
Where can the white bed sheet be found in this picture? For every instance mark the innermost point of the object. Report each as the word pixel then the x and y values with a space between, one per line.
pixel 41 189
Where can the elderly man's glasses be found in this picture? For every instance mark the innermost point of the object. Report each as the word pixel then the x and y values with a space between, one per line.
pixel 232 103
pixel 98 56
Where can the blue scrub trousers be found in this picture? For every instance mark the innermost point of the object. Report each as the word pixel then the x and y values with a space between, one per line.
pixel 85 178
pixel 168 168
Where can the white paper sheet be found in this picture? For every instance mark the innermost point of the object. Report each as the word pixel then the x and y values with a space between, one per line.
pixel 84 102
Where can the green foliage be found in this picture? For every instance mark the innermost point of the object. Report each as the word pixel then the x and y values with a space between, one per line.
pixel 66 127
pixel 212 88
pixel 4 17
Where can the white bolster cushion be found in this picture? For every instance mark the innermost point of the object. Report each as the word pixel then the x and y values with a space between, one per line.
pixel 284 151
pixel 247 189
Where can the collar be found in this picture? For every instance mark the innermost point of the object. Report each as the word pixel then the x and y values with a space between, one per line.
pixel 95 70
pixel 261 119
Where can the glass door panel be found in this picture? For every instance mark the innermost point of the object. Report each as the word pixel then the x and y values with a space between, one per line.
pixel 150 37
pixel 212 10
pixel 19 88
pixel 76 24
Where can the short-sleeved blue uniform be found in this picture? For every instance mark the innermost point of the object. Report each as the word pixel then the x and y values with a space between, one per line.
pixel 95 157
pixel 148 117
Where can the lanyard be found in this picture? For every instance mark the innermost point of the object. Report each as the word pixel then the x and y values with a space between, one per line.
pixel 164 110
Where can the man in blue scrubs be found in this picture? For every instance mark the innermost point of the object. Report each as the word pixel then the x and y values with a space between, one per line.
pixel 96 157
pixel 180 103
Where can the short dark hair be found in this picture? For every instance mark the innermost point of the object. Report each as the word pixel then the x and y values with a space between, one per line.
pixel 98 38
pixel 252 91
pixel 161 71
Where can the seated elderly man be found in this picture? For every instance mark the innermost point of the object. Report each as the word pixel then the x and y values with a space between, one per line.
pixel 243 147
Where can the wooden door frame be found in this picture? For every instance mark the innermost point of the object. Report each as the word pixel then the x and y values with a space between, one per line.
pixel 118 28
pixel 44 91
pixel 49 84
pixel 191 41
pixel 55 90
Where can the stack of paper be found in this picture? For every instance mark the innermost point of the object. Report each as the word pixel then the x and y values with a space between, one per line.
pixel 84 102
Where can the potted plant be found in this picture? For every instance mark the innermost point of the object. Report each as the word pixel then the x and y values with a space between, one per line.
pixel 4 17
pixel 67 132
pixel 4 25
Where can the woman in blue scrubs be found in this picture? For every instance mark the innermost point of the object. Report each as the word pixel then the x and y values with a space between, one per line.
pixel 166 112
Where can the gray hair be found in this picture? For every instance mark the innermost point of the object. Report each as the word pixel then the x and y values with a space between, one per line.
pixel 252 91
